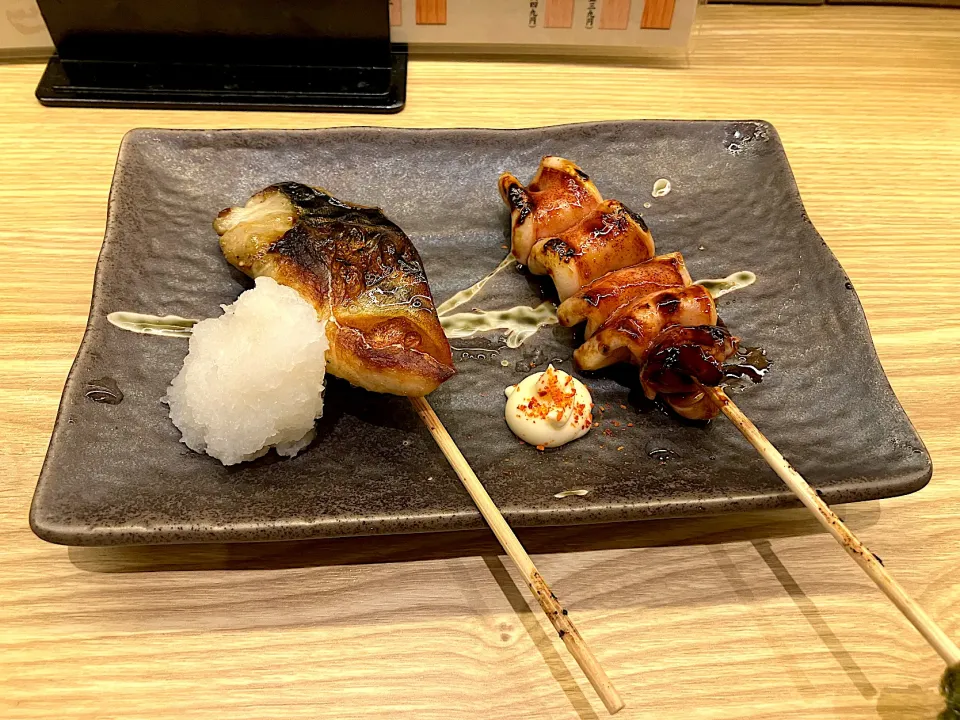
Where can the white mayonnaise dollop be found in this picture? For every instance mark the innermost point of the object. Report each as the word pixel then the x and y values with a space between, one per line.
pixel 549 409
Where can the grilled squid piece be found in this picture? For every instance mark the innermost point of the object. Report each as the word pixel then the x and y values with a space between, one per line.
pixel 628 334
pixel 692 406
pixel 609 238
pixel 608 293
pixel 681 361
pixel 558 197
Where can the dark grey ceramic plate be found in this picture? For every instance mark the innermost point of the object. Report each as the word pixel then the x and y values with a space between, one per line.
pixel 117 474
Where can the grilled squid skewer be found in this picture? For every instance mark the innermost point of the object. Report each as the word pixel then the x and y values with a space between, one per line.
pixel 638 308
pixel 650 318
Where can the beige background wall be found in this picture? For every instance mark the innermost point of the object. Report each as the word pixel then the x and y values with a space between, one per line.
pixel 22 31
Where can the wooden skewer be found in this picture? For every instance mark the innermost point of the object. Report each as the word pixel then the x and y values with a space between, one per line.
pixel 931 632
pixel 562 622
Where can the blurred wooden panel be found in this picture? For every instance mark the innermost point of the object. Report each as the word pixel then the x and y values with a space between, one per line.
pixel 615 14
pixel 559 14
pixel 396 12
pixel 657 14
pixel 431 12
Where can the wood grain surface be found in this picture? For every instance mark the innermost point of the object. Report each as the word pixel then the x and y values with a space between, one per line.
pixel 755 615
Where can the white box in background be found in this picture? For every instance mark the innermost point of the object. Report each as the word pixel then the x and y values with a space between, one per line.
pixel 22 32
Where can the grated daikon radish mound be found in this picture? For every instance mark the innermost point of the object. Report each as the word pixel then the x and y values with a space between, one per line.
pixel 253 378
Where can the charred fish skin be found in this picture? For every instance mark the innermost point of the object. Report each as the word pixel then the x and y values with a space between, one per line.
pixel 358 269
pixel 319 205
pixel 363 251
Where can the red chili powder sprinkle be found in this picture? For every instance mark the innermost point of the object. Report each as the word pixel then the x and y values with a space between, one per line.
pixel 554 396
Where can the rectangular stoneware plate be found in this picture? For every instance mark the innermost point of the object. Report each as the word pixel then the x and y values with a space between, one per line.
pixel 117 473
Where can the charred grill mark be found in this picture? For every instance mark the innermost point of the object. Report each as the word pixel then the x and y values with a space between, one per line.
pixel 298 245
pixel 304 196
pixel 520 200
pixel 581 174
pixel 637 218
pixel 669 304
pixel 316 207
pixel 718 334
pixel 362 256
pixel 674 369
pixel 562 251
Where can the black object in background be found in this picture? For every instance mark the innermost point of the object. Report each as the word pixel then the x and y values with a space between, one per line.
pixel 236 55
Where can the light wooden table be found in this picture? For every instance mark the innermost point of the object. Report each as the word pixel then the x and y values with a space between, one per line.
pixel 755 615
